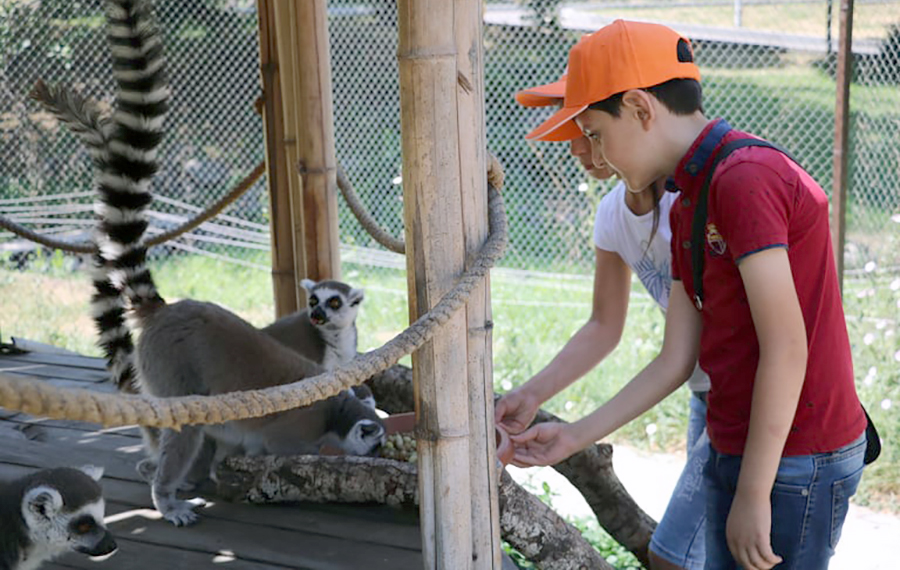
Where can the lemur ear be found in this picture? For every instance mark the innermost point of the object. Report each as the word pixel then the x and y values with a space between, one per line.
pixel 92 471
pixel 42 502
pixel 356 297
pixel 308 284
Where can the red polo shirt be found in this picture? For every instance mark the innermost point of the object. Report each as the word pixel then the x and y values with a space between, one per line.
pixel 760 199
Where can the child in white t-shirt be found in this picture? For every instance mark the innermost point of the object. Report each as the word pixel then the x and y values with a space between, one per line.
pixel 631 234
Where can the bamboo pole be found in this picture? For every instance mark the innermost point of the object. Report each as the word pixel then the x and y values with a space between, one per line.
pixel 442 221
pixel 472 166
pixel 284 283
pixel 315 207
pixel 842 136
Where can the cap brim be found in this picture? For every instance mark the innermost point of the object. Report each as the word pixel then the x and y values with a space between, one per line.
pixel 559 127
pixel 542 95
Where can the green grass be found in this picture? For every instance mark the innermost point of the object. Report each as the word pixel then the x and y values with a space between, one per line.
pixel 534 316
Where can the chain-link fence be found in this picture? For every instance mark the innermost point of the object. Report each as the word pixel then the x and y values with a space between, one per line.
pixel 768 68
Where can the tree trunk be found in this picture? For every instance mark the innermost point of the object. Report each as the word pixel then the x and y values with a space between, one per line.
pixel 526 523
pixel 590 471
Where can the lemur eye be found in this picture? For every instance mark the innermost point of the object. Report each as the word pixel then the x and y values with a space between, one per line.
pixel 313 301
pixel 85 526
pixel 334 303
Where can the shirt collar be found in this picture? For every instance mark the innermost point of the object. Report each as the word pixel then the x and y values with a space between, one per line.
pixel 693 164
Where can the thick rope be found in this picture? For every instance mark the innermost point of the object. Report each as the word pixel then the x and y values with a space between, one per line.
pixel 364 218
pixel 89 247
pixel 40 398
pixel 368 222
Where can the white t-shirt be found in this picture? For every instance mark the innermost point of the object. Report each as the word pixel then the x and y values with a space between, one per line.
pixel 619 230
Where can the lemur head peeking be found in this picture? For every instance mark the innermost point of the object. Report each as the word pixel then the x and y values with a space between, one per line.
pixel 332 304
pixel 50 512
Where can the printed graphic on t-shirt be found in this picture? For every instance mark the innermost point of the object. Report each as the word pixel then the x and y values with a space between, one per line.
pixel 655 275
pixel 715 240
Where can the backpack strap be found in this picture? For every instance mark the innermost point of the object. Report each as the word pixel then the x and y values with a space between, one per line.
pixel 698 224
pixel 698 251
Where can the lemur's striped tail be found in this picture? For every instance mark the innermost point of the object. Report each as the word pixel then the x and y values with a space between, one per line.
pixel 137 130
pixel 124 151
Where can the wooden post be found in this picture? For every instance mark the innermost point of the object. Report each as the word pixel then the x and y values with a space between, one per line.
pixel 305 69
pixel 284 283
pixel 472 171
pixel 442 118
pixel 842 136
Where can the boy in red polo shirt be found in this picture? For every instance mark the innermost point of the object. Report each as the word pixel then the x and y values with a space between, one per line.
pixel 786 428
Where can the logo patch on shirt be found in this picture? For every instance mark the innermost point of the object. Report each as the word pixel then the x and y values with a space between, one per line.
pixel 715 240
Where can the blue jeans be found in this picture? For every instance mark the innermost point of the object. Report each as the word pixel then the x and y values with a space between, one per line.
pixel 809 503
pixel 680 536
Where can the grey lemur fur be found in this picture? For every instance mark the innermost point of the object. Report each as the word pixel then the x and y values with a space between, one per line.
pixel 325 331
pixel 50 512
pixel 189 347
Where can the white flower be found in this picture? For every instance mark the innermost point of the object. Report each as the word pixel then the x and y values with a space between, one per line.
pixel 569 405
pixel 583 187
pixel 869 380
pixel 870 267
pixel 650 429
pixel 880 324
pixel 889 333
pixel 886 404
pixel 897 356
pixel 895 284
pixel 869 339
pixel 506 385
pixel 397 180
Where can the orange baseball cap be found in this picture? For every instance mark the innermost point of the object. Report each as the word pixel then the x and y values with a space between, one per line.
pixel 620 56
pixel 543 95
pixel 546 95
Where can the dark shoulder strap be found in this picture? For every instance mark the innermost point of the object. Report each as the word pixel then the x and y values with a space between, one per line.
pixel 698 239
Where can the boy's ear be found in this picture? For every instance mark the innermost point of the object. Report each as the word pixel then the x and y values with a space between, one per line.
pixel 637 103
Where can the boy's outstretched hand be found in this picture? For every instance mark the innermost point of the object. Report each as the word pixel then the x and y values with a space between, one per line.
pixel 515 411
pixel 546 443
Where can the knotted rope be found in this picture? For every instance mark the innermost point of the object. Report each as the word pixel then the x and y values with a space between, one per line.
pixel 42 399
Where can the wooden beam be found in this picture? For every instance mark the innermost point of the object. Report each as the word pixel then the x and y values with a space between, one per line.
pixel 472 173
pixel 842 136
pixel 442 118
pixel 309 125
pixel 284 283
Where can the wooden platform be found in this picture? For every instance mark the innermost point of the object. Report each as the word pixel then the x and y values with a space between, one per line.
pixel 229 536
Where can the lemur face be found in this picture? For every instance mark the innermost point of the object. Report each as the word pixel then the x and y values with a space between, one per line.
pixel 332 304
pixel 63 511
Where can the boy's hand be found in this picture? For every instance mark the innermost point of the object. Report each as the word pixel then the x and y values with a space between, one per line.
pixel 544 444
pixel 516 410
pixel 748 532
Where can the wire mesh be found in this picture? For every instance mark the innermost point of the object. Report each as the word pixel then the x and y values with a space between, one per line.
pixel 768 67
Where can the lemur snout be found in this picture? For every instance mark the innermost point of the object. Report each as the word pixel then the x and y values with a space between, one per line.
pixel 317 316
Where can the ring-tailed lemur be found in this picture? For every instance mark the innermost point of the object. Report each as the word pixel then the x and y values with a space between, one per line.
pixel 189 347
pixel 50 512
pixel 325 331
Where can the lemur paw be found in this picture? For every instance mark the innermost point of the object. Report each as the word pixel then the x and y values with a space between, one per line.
pixel 181 513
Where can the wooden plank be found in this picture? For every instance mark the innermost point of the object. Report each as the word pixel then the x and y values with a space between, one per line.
pixel 67 360
pixel 52 371
pixel 136 555
pixel 269 539
pixel 22 418
pixel 387 525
